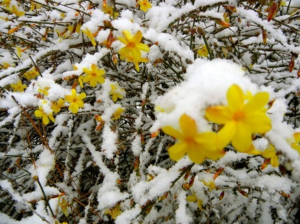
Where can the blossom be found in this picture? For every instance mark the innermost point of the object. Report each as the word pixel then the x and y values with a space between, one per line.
pixel 88 33
pixel 295 142
pixel 270 153
pixel 136 60
pixel 45 116
pixel 94 75
pixel 18 87
pixel 194 198
pixel 31 74
pixel 144 5
pixel 113 212
pixel 240 120
pixel 203 52
pixel 110 10
pixel 5 65
pixel 16 11
pixel 116 92
pixel 75 101
pixel 44 91
pixel 198 146
pixel 117 113
pixel 56 106
pixel 133 48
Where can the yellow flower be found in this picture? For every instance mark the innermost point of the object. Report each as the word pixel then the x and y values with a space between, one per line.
pixel 270 153
pixel 75 101
pixel 117 113
pixel 133 48
pixel 45 117
pixel 56 106
pixel 113 212
pixel 193 198
pixel 18 87
pixel 19 51
pixel 44 91
pixel 5 65
pixel 109 10
pixel 15 11
pixel 31 74
pixel 116 92
pixel 136 60
pixel 295 142
pixel 35 6
pixel 6 3
pixel 198 146
pixel 88 33
pixel 240 120
pixel 144 5
pixel 203 52
pixel 93 75
pixel 64 204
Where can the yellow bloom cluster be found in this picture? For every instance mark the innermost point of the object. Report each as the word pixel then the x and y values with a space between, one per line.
pixel 243 116
pixel 132 51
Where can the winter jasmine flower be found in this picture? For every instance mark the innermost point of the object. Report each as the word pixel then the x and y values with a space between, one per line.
pixel 75 101
pixel 88 33
pixel 240 119
pixel 93 75
pixel 198 146
pixel 56 106
pixel 117 113
pixel 116 92
pixel 18 87
pixel 270 153
pixel 133 48
pixel 45 116
pixel 144 5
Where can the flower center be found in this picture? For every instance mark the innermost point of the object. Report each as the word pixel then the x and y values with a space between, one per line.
pixel 238 116
pixel 93 74
pixel 131 45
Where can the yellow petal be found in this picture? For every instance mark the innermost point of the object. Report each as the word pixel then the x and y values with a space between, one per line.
pixel 218 114
pixel 38 113
pixel 235 98
pixel 225 135
pixel 137 37
pixel 195 155
pixel 188 126
pixel 214 155
pixel 191 198
pixel 123 40
pixel 297 137
pixel 172 132
pixel 258 101
pixel 73 108
pixel 242 139
pixel 81 96
pixel 177 151
pixel 207 140
pixel 45 120
pixel 274 161
pixel 258 122
pixel 127 35
pixel 143 47
pixel 296 146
